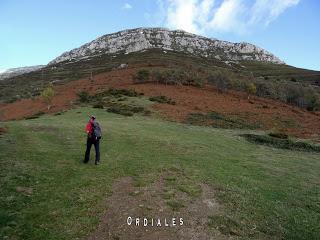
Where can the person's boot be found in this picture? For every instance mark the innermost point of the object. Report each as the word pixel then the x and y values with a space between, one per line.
pixel 97 162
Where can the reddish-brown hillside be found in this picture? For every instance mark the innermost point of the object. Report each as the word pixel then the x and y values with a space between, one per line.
pixel 268 113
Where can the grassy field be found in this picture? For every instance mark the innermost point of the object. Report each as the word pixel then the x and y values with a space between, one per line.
pixel 48 193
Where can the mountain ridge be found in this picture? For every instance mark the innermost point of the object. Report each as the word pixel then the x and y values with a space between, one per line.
pixel 139 39
pixel 12 72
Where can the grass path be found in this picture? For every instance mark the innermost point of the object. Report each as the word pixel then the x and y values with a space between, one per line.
pixel 48 193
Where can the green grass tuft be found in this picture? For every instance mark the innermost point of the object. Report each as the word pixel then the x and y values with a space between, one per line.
pixel 175 205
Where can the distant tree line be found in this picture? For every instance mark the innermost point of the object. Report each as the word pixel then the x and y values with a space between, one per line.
pixel 170 77
pixel 291 92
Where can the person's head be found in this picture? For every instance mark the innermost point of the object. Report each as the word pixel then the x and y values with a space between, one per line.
pixel 92 118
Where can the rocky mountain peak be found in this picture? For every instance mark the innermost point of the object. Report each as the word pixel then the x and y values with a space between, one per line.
pixel 134 40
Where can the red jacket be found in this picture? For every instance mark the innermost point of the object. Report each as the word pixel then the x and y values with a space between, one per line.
pixel 89 127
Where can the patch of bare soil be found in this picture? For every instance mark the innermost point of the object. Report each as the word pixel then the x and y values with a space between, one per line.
pixel 24 190
pixel 129 203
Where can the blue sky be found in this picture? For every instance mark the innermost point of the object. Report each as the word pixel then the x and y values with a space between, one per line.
pixel 36 31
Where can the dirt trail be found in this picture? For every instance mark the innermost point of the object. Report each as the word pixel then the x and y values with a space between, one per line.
pixel 268 113
pixel 146 202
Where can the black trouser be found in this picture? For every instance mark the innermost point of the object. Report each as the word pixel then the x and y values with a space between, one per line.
pixel 96 144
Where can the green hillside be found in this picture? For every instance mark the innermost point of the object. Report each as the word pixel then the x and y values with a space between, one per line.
pixel 48 193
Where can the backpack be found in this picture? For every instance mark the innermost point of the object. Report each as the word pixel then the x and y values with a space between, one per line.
pixel 96 130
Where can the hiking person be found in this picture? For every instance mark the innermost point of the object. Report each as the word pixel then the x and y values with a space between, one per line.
pixel 93 137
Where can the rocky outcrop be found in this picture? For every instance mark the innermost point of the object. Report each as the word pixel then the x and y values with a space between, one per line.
pixel 139 39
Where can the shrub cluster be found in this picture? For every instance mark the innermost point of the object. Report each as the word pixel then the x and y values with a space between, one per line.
pixel 98 104
pixel 106 100
pixel 290 92
pixel 83 96
pixel 162 99
pixel 219 120
pixel 169 77
pixel 221 81
pixel 284 143
pixel 142 76
pixel 36 115
pixel 126 110
pixel 118 93
pixel 278 135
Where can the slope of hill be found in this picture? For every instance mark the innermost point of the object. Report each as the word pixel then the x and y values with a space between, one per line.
pixel 266 113
pixel 222 186
pixel 30 84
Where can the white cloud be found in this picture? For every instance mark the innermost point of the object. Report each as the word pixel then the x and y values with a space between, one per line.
pixel 239 16
pixel 126 6
pixel 229 17
pixel 266 11
pixel 181 15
